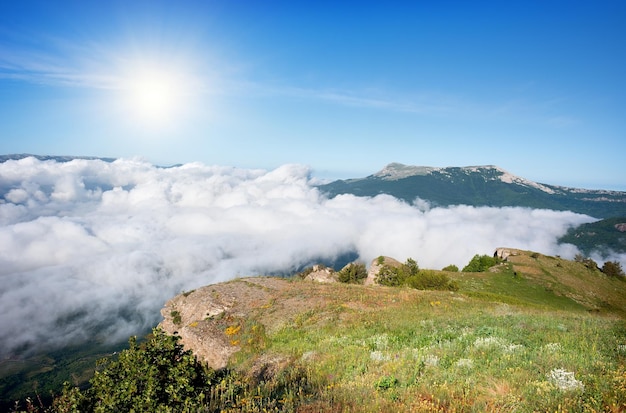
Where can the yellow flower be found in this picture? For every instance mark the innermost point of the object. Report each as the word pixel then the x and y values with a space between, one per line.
pixel 232 330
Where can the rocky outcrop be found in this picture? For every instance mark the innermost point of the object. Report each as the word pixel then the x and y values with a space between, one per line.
pixel 322 274
pixel 503 253
pixel 376 265
pixel 212 321
pixel 207 319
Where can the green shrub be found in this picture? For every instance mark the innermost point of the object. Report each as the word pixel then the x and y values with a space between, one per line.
pixel 451 268
pixel 480 263
pixel 176 318
pixel 410 275
pixel 431 280
pixel 389 276
pixel 396 276
pixel 386 383
pixel 613 269
pixel 353 273
pixel 158 375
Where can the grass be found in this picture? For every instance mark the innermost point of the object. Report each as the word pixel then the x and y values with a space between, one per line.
pixel 507 341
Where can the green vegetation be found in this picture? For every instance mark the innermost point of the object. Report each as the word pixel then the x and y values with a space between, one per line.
pixel 598 236
pixel 451 268
pixel 536 334
pixel 409 274
pixel 176 316
pixel 613 269
pixel 353 273
pixel 156 376
pixel 480 263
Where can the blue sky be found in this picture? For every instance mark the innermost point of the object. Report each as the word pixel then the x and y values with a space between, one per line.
pixel 535 87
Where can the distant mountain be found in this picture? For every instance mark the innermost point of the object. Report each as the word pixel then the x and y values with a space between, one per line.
pixel 479 186
pixel 601 236
pixel 18 156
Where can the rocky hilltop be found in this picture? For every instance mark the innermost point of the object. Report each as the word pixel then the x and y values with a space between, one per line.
pixel 216 320
pixel 201 317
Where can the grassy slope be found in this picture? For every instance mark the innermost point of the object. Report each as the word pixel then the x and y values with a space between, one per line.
pixel 489 347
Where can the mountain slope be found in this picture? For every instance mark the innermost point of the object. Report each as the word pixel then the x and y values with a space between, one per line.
pixel 536 333
pixel 479 186
pixel 607 235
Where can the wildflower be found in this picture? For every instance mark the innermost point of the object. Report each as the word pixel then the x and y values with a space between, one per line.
pixel 465 363
pixel 565 380
pixel 378 356
pixel 431 360
pixel 552 347
pixel 232 330
pixel 488 342
pixel 512 348
pixel 381 341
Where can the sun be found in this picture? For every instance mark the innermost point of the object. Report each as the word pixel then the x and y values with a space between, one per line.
pixel 155 94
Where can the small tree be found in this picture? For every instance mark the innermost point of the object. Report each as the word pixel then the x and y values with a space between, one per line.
pixel 353 273
pixel 613 269
pixel 480 263
pixel 389 276
pixel 451 268
pixel 158 375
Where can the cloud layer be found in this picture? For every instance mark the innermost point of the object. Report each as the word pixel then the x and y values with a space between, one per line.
pixel 95 246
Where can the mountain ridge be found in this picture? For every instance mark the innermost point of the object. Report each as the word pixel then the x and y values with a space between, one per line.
pixel 486 185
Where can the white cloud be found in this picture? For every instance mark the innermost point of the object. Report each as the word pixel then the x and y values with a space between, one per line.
pixel 90 244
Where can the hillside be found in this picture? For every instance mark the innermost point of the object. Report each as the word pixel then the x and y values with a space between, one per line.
pixel 479 186
pixel 536 332
pixel 601 236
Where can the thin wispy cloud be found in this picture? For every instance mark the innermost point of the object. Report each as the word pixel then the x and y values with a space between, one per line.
pixel 93 65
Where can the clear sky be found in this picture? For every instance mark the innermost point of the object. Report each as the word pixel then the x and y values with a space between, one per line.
pixel 535 87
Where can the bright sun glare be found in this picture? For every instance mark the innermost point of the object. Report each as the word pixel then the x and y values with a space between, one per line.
pixel 155 94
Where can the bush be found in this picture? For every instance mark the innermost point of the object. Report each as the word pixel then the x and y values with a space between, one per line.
pixel 389 276
pixel 353 273
pixel 451 268
pixel 613 269
pixel 480 263
pixel 396 276
pixel 431 280
pixel 410 275
pixel 155 376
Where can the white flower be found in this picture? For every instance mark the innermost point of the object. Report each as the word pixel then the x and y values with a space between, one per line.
pixel 466 363
pixel 378 356
pixel 565 380
pixel 488 342
pixel 379 341
pixel 431 360
pixel 512 348
pixel 552 347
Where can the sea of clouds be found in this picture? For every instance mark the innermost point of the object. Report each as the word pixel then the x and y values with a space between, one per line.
pixel 89 245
